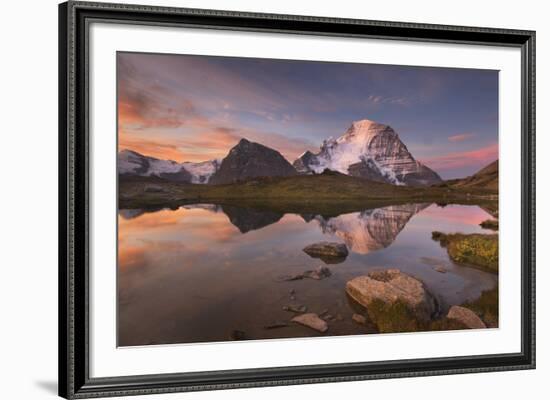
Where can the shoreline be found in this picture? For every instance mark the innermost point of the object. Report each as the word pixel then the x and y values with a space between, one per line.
pixel 321 194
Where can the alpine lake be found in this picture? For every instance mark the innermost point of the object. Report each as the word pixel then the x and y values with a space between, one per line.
pixel 209 272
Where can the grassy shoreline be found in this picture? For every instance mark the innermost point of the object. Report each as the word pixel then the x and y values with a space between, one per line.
pixel 322 194
pixel 475 249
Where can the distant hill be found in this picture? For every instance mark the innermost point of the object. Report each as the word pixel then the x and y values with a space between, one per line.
pixel 485 178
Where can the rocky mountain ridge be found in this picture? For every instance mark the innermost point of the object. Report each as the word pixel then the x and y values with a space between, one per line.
pixel 368 150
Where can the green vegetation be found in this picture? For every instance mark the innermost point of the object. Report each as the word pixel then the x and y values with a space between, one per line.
pixel 486 307
pixel 327 194
pixel 396 317
pixel 445 324
pixel 473 249
pixel 399 318
pixel 490 224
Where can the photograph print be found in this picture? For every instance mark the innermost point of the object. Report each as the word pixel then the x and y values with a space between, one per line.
pixel 268 199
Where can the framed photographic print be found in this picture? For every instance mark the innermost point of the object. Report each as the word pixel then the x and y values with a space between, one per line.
pixel 253 200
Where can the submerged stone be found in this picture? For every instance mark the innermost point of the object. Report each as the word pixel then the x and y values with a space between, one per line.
pixel 360 319
pixel 276 325
pixel 327 249
pixel 295 308
pixel 319 273
pixel 311 320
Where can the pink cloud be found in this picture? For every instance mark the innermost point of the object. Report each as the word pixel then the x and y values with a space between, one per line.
pixel 479 157
pixel 460 137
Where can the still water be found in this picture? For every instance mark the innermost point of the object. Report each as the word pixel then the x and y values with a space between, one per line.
pixel 198 273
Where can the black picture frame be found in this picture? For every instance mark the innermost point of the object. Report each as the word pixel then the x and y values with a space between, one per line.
pixel 74 379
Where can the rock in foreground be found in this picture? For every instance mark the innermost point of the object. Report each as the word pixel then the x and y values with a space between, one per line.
pixel 389 288
pixel 311 320
pixel 326 249
pixel 466 317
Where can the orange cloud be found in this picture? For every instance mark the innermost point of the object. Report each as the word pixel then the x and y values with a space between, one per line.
pixel 158 148
pixel 478 157
pixel 460 137
pixel 207 142
pixel 203 145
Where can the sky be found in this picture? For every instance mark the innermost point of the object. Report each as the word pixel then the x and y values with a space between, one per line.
pixel 195 108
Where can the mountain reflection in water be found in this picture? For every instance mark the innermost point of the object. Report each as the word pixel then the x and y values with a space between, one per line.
pixel 370 230
pixel 362 232
pixel 196 273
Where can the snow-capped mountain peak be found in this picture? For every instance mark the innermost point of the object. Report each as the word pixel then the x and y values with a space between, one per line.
pixel 362 132
pixel 370 150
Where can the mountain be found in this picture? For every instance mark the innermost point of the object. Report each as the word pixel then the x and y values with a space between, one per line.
pixel 372 151
pixel 249 160
pixel 486 178
pixel 131 163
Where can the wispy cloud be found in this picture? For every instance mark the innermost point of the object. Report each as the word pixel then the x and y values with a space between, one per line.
pixel 395 100
pixel 479 158
pixel 460 137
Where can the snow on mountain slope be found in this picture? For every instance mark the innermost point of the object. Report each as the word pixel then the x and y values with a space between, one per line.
pixel 133 163
pixel 370 150
pixel 201 172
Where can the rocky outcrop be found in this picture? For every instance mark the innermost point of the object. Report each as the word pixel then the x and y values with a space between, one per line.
pixel 372 151
pixel 312 321
pixel 392 286
pixel 326 249
pixel 466 317
pixel 249 160
pixel 305 162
